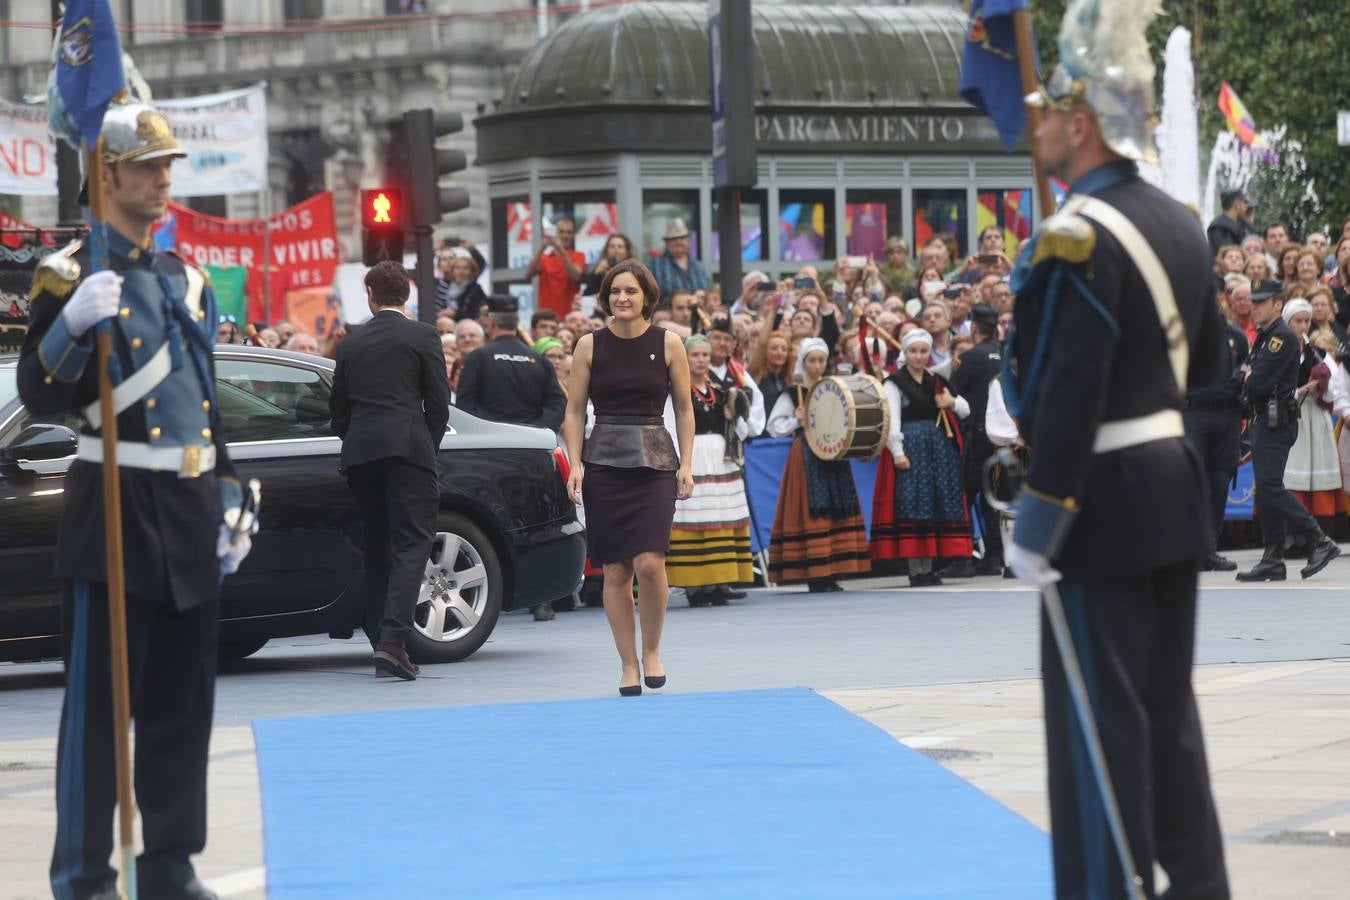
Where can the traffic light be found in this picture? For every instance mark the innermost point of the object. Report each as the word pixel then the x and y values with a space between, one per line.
pixel 427 164
pixel 382 224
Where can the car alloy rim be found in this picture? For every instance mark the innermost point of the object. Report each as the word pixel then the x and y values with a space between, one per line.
pixel 454 591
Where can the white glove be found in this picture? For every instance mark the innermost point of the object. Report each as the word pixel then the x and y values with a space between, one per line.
pixel 1030 567
pixel 96 299
pixel 231 548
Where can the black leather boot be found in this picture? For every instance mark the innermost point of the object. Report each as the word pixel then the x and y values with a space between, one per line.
pixel 1270 568
pixel 1216 563
pixel 1321 553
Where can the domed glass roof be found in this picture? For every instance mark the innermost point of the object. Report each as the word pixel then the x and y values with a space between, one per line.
pixel 655 54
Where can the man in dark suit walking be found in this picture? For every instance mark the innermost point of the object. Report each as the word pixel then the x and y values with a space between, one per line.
pixel 390 405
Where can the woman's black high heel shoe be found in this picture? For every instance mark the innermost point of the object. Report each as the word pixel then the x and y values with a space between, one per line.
pixel 654 681
pixel 631 690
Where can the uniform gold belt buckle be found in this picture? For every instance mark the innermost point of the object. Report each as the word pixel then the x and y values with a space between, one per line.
pixel 192 462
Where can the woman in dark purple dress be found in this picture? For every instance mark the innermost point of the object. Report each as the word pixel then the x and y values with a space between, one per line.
pixel 632 475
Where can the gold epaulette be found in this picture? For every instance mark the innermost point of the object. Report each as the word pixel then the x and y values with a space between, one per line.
pixel 58 273
pixel 1064 236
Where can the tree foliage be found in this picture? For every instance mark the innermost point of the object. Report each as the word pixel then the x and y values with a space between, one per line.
pixel 1287 60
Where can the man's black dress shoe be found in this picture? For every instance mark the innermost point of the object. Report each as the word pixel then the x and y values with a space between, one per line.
pixel 1216 563
pixel 1322 552
pixel 989 566
pixel 175 882
pixel 391 659
pixel 962 568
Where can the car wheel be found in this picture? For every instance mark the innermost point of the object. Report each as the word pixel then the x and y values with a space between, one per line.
pixel 461 594
pixel 230 651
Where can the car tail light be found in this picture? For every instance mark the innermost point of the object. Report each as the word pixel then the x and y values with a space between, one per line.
pixel 560 460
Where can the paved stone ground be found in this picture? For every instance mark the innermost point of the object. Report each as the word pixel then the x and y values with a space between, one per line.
pixel 949 671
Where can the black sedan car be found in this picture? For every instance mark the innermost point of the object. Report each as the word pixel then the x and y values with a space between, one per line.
pixel 507 536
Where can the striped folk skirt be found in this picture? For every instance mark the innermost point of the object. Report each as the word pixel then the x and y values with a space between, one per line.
pixel 921 513
pixel 710 537
pixel 818 526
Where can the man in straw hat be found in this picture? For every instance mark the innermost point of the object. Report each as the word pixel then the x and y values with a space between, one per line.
pixel 1114 321
pixel 177 486
pixel 675 270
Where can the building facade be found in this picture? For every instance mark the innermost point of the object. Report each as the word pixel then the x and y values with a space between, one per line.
pixel 336 70
pixel 860 131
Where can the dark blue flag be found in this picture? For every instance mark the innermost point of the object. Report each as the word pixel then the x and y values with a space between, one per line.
pixel 88 65
pixel 989 77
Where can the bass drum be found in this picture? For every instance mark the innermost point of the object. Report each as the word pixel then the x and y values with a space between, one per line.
pixel 847 418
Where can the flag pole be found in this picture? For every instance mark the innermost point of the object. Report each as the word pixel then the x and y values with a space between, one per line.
pixel 112 528
pixel 1026 69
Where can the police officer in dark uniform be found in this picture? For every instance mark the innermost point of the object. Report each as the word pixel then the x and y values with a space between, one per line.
pixel 1114 321
pixel 979 366
pixel 505 380
pixel 1269 379
pixel 1213 421
pixel 177 488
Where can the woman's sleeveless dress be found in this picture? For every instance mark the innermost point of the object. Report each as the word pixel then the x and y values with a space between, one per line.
pixel 629 486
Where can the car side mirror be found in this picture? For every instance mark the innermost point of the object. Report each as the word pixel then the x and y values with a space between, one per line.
pixel 41 443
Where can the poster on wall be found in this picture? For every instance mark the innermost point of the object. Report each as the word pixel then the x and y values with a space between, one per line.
pixel 297 248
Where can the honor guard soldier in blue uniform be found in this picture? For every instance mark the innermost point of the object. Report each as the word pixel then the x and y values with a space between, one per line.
pixel 1114 321
pixel 1268 380
pixel 176 483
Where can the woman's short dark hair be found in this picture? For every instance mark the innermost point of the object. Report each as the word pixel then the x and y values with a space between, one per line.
pixel 651 292
pixel 388 283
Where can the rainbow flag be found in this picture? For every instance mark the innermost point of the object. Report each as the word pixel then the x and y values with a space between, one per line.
pixel 1239 120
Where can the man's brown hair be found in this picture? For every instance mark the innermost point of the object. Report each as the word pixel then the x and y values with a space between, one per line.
pixel 651 292
pixel 388 283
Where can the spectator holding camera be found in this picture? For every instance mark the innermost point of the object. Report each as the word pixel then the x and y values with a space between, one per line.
pixel 618 247
pixel 559 266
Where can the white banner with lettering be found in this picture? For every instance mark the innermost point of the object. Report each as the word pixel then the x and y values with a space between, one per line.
pixel 225 136
pixel 27 151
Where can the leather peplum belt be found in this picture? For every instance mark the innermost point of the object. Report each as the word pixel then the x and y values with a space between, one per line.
pixel 630 420
pixel 188 462
pixel 1124 433
pixel 630 442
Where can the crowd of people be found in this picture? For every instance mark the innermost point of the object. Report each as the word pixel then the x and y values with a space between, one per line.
pixel 909 320
pixel 754 356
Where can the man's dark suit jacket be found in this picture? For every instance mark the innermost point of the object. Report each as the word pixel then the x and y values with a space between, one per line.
pixel 390 394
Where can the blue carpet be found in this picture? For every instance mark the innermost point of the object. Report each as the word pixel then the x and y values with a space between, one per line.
pixel 773 794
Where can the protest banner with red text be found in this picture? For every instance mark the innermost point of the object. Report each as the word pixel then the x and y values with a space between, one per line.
pixel 299 250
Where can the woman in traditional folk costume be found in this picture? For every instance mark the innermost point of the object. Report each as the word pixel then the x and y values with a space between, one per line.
pixel 919 510
pixel 1313 471
pixel 710 538
pixel 818 527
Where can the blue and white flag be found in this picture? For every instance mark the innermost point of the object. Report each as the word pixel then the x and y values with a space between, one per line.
pixel 88 69
pixel 990 80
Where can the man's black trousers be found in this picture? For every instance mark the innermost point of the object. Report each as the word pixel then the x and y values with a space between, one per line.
pixel 1278 510
pixel 1216 435
pixel 977 452
pixel 172 662
pixel 1135 639
pixel 397 502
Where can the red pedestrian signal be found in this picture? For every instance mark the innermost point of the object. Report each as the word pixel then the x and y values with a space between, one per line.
pixel 381 225
pixel 382 208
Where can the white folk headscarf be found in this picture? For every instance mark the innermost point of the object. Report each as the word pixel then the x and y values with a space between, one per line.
pixel 809 345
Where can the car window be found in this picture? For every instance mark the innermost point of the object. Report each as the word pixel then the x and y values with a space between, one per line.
pixel 270 401
pixel 9 391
